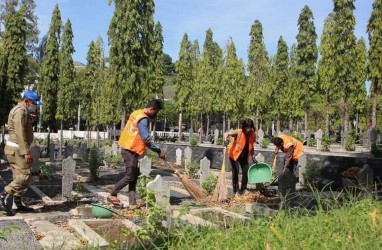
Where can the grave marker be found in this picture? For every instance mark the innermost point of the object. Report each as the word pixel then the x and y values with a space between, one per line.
pixel 161 191
pixel 178 152
pixel 216 136
pixel 260 135
pixel 302 162
pixel 68 171
pixel 187 156
pixel 35 151
pixel 204 168
pixel 145 166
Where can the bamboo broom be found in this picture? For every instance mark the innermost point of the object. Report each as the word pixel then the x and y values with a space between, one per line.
pixel 220 192
pixel 195 191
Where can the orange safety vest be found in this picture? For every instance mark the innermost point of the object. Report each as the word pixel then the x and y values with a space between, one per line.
pixel 130 138
pixel 238 144
pixel 289 141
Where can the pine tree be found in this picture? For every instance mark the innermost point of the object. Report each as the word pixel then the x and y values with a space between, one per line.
pixel 344 49
pixel 50 70
pixel 258 68
pixel 131 34
pixel 306 59
pixel 374 30
pixel 66 105
pixel 156 83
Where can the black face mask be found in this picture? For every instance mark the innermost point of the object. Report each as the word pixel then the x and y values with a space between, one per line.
pixel 152 116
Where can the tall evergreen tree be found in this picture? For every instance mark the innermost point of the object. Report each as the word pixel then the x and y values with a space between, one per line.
pixel 258 68
pixel 32 31
pixel 157 68
pixel 374 30
pixel 281 65
pixel 50 70
pixel 131 34
pixel 66 105
pixel 345 41
pixel 306 60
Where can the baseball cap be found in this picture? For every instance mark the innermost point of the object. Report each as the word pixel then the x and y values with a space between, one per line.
pixel 32 96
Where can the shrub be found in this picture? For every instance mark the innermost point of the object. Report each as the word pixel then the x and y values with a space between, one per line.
pixel 265 143
pixel 151 155
pixel 209 183
pixel 312 142
pixel 219 141
pixel 141 185
pixel 46 172
pixel 106 142
pixel 192 169
pixel 376 150
pixel 194 140
pixel 312 175
pixel 350 143
pixel 298 136
pixel 326 142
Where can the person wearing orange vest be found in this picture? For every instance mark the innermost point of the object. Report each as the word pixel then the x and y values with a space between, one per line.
pixel 292 148
pixel 240 151
pixel 134 139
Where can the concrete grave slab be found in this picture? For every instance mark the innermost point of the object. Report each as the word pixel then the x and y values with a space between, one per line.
pixel 20 236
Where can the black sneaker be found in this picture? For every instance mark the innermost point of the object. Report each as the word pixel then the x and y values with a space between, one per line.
pixel 6 201
pixel 23 208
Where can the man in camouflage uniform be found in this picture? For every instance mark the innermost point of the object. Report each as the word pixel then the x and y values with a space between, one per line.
pixel 17 151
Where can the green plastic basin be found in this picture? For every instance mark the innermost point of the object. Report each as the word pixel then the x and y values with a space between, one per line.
pixel 259 173
pixel 102 212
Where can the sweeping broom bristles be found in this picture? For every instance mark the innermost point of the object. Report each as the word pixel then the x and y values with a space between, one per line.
pixel 195 191
pixel 220 192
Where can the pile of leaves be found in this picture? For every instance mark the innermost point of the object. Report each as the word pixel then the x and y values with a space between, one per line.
pixel 351 172
pixel 251 197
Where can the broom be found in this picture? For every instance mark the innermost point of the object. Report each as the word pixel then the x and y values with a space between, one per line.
pixel 220 192
pixel 195 191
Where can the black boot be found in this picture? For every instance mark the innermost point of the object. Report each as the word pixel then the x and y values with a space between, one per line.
pixel 6 201
pixel 20 206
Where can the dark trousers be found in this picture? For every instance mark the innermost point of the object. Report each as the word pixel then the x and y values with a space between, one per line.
pixel 130 160
pixel 235 174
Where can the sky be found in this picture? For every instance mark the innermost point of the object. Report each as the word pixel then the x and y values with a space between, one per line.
pixel 226 18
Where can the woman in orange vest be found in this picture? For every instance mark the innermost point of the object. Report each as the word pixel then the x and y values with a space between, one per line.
pixel 240 151
pixel 134 139
pixel 292 148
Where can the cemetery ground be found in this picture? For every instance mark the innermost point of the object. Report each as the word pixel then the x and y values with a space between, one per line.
pixel 339 216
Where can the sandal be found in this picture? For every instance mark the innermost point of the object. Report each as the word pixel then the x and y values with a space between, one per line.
pixel 114 200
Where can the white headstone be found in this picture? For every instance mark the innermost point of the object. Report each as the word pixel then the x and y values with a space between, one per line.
pixel 145 166
pixel 52 151
pixel 114 147
pixel 260 157
pixel 191 134
pixel 303 161
pixel 178 152
pixel 161 191
pixel 216 136
pixel 204 168
pixel 187 156
pixel 319 134
pixel 108 150
pixel 260 135
pixel 68 171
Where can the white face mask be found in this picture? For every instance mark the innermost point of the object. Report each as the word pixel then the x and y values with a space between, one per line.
pixel 32 108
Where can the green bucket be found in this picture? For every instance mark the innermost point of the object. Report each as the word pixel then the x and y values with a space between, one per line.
pixel 259 173
pixel 102 212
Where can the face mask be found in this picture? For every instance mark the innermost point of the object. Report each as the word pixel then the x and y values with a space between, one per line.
pixel 32 108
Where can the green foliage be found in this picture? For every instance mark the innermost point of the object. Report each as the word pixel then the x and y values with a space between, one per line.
pixel 192 169
pixel 194 140
pixel 141 185
pixel 50 70
pixel 376 150
pixel 219 141
pixel 312 175
pixel 113 160
pixel 7 230
pixel 312 142
pixel 106 142
pixel 46 172
pixel 153 156
pixel 209 183
pixel 298 136
pixel 350 143
pixel 94 163
pixel 325 144
pixel 265 142
pixel 79 187
pixel 72 142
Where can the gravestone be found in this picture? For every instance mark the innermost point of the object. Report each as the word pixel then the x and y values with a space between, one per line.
pixel 68 171
pixel 366 176
pixel 83 152
pixel 216 136
pixel 68 151
pixel 285 132
pixel 318 135
pixel 204 169
pixel 21 236
pixel 260 157
pixel 52 151
pixel 260 135
pixel 274 132
pixel 161 191
pixel 187 156
pixel 178 153
pixel 302 162
pixel 145 166
pixel 344 135
pixel 191 134
pixel 35 151
pixel 367 139
pixel 373 135
pixel 108 150
pixel 114 148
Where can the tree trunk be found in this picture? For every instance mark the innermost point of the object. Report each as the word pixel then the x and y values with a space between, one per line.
pixel 356 122
pixel 297 127
pixel 278 125
pixel 346 116
pixel 375 105
pixel 260 124
pixel 208 126
pixel 123 117
pixel 256 116
pixel 180 127
pixel 78 117
pixel 61 138
pixel 305 123
pixel 224 129
pixel 327 122
pixel 290 123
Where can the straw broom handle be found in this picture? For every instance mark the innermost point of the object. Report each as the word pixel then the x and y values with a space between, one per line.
pixel 274 163
pixel 224 154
